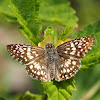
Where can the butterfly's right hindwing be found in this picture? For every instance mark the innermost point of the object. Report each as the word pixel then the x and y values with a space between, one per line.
pixel 67 68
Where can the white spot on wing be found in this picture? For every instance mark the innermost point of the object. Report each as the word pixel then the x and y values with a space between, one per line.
pixel 28 53
pixel 72 53
pixel 21 50
pixel 68 70
pixel 17 51
pixel 14 51
pixel 33 52
pixel 25 58
pixel 71 68
pixel 31 66
pixel 67 48
pixel 79 46
pixel 29 49
pixel 33 71
pixel 81 50
pixel 38 73
pixel 36 66
pixel 64 70
pixel 73 48
pixel 63 76
pixel 41 72
pixel 76 43
pixel 66 64
pixel 65 51
pixel 72 44
pixel 36 55
pixel 21 56
pixel 74 62
pixel 24 48
pixel 30 57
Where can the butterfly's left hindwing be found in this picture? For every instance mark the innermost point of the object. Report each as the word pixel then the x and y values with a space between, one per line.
pixel 38 69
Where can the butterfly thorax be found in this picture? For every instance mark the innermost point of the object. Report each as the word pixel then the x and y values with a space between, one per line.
pixel 51 55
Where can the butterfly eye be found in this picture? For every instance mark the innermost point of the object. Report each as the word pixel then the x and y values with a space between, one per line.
pixel 49 45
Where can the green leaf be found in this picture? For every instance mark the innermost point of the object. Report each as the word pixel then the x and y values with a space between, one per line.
pixel 9 18
pixel 59 90
pixel 1 98
pixel 30 96
pixel 90 77
pixel 58 12
pixel 65 33
pixel 5 11
pixel 27 14
pixel 52 32
pixel 90 16
pixel 93 56
pixel 51 11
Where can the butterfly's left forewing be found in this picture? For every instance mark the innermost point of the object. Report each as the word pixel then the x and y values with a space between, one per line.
pixel 34 59
pixel 25 53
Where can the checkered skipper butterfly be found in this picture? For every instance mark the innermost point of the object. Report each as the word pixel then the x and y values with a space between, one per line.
pixel 60 63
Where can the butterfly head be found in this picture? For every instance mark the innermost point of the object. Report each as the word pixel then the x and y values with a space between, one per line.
pixel 49 46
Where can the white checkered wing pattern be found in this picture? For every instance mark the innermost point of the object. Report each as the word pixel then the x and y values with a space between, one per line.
pixel 33 57
pixel 70 54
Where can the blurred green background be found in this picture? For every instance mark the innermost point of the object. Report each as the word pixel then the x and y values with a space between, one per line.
pixel 13 78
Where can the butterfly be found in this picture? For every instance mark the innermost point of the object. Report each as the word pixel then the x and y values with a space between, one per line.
pixel 59 63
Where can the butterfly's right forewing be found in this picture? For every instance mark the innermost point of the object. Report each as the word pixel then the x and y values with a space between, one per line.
pixel 76 48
